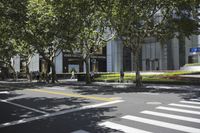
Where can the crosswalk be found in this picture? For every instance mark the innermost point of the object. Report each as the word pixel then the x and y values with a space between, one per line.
pixel 175 117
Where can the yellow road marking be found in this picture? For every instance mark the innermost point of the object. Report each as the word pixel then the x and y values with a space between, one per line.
pixel 115 98
pixel 73 95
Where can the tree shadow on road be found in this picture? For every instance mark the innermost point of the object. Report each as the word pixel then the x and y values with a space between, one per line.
pixel 186 93
pixel 10 86
pixel 87 119
pixel 9 95
pixel 51 105
pixel 105 90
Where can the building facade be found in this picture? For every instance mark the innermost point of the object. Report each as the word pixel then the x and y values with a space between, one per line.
pixel 65 62
pixel 171 55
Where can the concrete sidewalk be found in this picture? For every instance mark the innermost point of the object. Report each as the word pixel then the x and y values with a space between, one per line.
pixel 74 82
pixel 191 76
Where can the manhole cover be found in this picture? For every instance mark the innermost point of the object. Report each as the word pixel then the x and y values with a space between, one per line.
pixel 154 103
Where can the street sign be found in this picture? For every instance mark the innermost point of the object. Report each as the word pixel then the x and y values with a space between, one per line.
pixel 192 50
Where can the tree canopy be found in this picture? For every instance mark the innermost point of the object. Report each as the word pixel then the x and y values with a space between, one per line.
pixel 48 26
pixel 137 20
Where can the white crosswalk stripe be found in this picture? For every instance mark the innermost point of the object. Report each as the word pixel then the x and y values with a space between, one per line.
pixel 185 106
pixel 179 110
pixel 195 99
pixel 177 117
pixel 161 123
pixel 122 128
pixel 190 102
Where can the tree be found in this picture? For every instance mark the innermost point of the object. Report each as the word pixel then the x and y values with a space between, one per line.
pixel 41 31
pixel 12 18
pixel 183 24
pixel 8 51
pixel 26 52
pixel 51 27
pixel 94 32
pixel 137 20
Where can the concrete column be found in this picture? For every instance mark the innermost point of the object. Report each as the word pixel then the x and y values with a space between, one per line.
pixel 84 66
pixel 114 56
pixel 59 62
pixel 34 64
pixel 109 56
pixel 175 51
pixel 117 55
pixel 16 63
pixel 163 56
pixel 132 63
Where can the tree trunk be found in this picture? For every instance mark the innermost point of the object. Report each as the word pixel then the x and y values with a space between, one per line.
pixel 28 75
pixel 14 72
pixel 138 78
pixel 87 79
pixel 53 75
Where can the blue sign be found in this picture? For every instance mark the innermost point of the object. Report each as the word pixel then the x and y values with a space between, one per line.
pixel 192 50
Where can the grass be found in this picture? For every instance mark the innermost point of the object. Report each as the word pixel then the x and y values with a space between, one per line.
pixel 114 77
pixel 162 78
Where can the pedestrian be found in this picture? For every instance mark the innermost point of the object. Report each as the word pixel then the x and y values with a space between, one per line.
pixel 92 75
pixel 37 75
pixel 73 75
pixel 121 75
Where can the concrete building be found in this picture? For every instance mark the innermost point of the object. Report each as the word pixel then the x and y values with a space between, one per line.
pixel 64 63
pixel 171 55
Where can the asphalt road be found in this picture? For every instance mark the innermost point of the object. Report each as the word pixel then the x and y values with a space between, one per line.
pixel 99 109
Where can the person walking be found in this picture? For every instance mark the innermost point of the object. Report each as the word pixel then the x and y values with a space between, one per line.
pixel 73 75
pixel 121 75
pixel 37 74
pixel 92 75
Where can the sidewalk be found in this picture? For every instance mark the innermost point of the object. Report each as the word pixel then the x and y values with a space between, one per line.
pixel 74 82
pixel 190 76
pixel 156 86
